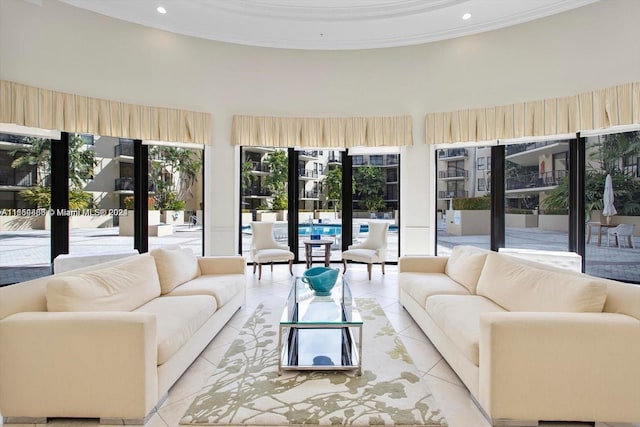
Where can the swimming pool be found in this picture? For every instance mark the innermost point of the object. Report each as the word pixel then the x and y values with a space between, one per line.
pixel 321 229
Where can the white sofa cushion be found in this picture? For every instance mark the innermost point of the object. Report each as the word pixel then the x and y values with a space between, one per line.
pixel 223 287
pixel 175 266
pixel 465 265
pixel 519 286
pixel 458 316
pixel 421 286
pixel 178 318
pixel 124 287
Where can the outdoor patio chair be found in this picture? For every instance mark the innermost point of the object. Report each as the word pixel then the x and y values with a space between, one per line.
pixel 372 250
pixel 265 249
pixel 620 232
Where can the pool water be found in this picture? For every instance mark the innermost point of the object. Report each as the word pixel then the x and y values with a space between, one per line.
pixel 324 229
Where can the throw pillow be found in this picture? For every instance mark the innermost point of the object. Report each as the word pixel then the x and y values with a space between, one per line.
pixel 175 266
pixel 465 265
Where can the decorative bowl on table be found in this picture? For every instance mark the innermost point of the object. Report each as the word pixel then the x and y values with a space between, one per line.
pixel 321 279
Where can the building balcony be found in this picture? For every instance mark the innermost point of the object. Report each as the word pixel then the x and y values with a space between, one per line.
pixel 453 174
pixel 260 168
pixel 256 192
pixel 452 194
pixel 334 159
pixel 123 150
pixel 13 178
pixel 307 155
pixel 452 154
pixel 307 174
pixel 125 185
pixel 309 195
pixel 536 180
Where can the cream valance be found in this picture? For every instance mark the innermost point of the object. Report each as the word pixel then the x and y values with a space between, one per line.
pixel 46 109
pixel 603 108
pixel 332 132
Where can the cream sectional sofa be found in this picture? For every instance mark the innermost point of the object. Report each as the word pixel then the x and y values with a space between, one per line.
pixel 109 340
pixel 531 342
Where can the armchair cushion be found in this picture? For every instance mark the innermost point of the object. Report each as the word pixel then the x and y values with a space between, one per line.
pixel 271 255
pixel 175 265
pixel 361 255
pixel 120 288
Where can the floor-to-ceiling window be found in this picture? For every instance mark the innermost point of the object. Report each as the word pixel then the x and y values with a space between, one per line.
pixel 463 197
pixel 612 245
pixel 376 189
pixel 25 200
pixel 264 176
pixel 319 178
pixel 536 183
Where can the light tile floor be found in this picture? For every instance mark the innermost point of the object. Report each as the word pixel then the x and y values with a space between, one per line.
pixel 448 391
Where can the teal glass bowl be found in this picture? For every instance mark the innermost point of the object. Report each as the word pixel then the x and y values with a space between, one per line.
pixel 321 279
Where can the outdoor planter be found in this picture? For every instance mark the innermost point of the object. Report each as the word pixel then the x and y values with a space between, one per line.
pixel 468 222
pixel 521 220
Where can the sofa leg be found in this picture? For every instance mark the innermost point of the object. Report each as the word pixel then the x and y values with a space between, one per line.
pixel 291 267
pixel 344 262
pixel 259 271
pixel 383 268
pixel 272 267
pixel 369 268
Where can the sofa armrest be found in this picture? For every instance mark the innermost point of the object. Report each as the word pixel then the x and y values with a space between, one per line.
pixel 78 364
pixel 560 366
pixel 422 264
pixel 234 264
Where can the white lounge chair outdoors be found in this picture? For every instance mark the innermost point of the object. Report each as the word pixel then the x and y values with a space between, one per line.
pixel 265 249
pixel 372 250
pixel 620 232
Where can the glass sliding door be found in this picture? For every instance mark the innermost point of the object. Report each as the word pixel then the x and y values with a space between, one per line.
pixel 612 243
pixel 175 197
pixel 463 198
pixel 264 175
pixel 537 195
pixel 319 179
pixel 25 200
pixel 376 190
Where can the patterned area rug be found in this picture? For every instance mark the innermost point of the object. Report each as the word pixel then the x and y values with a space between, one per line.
pixel 247 390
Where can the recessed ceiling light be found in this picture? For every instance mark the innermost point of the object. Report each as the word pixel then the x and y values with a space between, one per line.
pixel 466 16
pixel 161 9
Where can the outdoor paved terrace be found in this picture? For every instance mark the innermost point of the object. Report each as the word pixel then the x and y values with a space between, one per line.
pixel 25 254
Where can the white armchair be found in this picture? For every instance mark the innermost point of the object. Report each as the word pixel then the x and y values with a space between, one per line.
pixel 620 232
pixel 372 250
pixel 265 249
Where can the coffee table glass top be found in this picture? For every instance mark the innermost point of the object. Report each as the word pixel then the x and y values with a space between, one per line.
pixel 304 307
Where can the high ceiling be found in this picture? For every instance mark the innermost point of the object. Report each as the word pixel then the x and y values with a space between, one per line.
pixel 328 24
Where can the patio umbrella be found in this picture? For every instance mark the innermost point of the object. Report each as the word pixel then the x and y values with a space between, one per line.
pixel 608 209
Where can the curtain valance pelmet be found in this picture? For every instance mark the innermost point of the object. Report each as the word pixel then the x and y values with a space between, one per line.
pixel 47 109
pixel 602 108
pixel 332 132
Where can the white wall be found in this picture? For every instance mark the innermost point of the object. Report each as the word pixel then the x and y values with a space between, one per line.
pixel 58 47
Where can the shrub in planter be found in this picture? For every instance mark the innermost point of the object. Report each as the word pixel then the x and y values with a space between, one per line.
pixel 472 203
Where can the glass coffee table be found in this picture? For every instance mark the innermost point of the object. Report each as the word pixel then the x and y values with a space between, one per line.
pixel 316 332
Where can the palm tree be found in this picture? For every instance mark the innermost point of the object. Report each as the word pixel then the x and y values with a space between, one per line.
pixel 172 174
pixel 38 153
pixel 276 181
